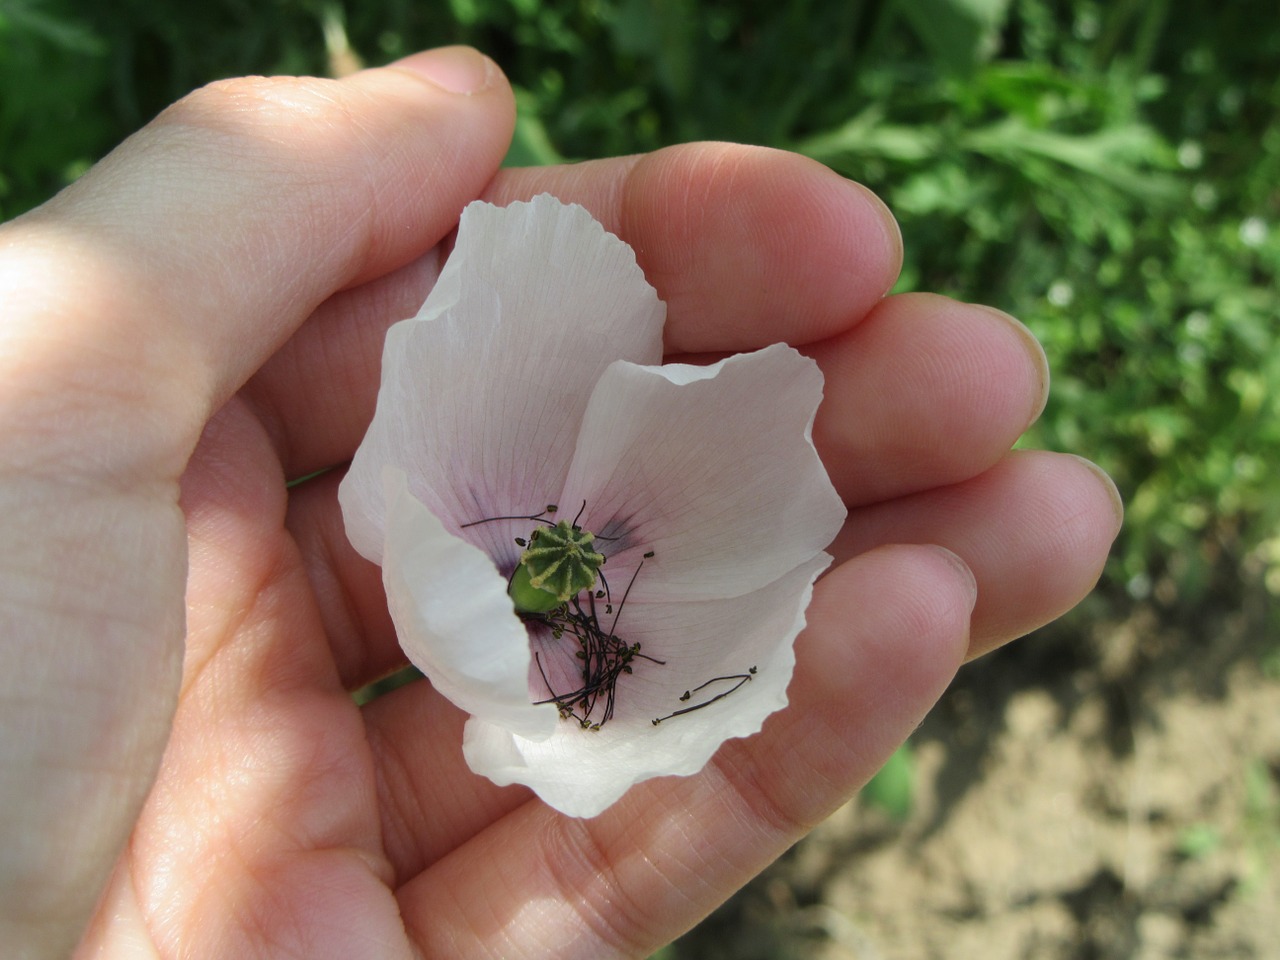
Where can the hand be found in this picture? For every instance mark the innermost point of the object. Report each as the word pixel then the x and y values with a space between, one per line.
pixel 200 319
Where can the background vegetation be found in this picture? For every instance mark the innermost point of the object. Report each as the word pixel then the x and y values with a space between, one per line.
pixel 1108 171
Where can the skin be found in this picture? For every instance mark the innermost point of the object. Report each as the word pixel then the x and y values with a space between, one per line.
pixel 199 318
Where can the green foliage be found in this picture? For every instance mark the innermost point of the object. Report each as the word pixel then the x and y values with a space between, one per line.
pixel 892 789
pixel 1200 840
pixel 1261 821
pixel 1257 835
pixel 1107 171
pixel 49 131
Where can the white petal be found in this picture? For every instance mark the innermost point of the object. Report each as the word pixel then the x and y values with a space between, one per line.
pixel 454 618
pixel 581 772
pixel 712 468
pixel 483 392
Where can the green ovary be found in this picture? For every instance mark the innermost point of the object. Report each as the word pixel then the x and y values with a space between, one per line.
pixel 557 565
pixel 527 597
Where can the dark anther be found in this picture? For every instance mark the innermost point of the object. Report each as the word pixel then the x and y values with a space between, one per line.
pixel 688 694
pixel 603 657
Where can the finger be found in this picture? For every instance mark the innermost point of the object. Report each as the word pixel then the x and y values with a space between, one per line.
pixel 429 801
pixel 316 395
pixel 747 246
pixel 886 634
pixel 265 781
pixel 1035 530
pixel 347 587
pixel 924 392
pixel 177 265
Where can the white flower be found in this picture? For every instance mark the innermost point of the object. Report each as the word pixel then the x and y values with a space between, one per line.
pixel 529 379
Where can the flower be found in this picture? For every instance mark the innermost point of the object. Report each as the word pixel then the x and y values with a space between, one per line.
pixel 524 424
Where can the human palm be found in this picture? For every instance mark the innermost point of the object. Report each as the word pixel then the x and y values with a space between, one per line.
pixel 238 309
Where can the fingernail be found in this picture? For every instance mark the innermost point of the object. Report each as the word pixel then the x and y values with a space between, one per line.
pixel 1035 351
pixel 892 229
pixel 1117 502
pixel 963 569
pixel 462 70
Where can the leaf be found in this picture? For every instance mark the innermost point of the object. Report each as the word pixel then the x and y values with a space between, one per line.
pixel 1121 157
pixel 867 135
pixel 893 788
pixel 530 144
pixel 960 34
pixel 1199 841
pixel 22 16
pixel 660 31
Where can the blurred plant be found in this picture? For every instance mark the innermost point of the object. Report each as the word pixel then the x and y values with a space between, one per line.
pixel 1261 823
pixel 49 129
pixel 1257 839
pixel 892 789
pixel 1044 183
pixel 1199 841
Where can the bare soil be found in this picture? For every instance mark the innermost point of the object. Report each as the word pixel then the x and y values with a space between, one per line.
pixel 1104 795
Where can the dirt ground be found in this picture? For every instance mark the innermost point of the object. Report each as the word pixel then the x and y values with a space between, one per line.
pixel 1091 793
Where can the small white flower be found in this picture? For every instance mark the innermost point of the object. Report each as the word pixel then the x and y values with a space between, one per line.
pixel 528 379
pixel 1253 232
pixel 1061 293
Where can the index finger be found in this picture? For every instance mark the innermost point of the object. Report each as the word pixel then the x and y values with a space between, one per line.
pixel 748 246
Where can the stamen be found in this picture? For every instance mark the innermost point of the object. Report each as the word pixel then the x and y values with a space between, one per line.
pixel 688 694
pixel 604 657
pixel 541 517
pixel 549 586
pixel 627 592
